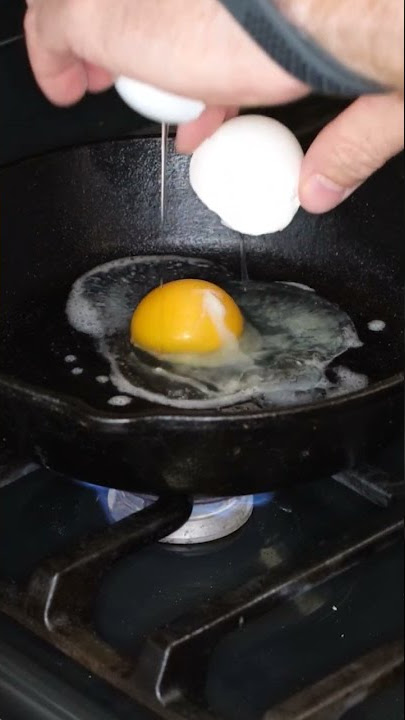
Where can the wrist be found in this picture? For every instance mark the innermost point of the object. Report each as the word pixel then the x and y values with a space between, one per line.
pixel 296 51
pixel 366 36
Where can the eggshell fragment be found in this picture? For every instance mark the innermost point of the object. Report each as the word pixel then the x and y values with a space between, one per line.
pixel 248 172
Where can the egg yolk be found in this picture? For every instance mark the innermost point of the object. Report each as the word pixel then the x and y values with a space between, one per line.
pixel 186 316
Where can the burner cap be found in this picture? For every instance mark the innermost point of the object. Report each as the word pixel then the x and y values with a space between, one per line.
pixel 210 520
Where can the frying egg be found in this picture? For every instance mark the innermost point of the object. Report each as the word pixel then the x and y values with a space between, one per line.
pixel 211 341
pixel 247 173
pixel 186 316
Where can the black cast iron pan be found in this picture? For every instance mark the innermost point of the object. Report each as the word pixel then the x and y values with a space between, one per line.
pixel 66 213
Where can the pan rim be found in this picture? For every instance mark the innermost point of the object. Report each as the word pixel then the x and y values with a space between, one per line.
pixel 306 129
pixel 84 413
pixel 74 147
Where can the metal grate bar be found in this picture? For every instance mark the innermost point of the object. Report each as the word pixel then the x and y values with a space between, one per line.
pixel 57 606
pixel 164 667
pixel 333 697
pixel 64 586
pixel 372 484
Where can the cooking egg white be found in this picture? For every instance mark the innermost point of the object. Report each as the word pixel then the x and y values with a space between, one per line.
pixel 248 172
pixel 290 337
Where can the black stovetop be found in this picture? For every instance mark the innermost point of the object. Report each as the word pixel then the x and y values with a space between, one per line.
pixel 310 585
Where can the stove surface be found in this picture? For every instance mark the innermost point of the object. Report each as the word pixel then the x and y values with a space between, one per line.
pixel 254 664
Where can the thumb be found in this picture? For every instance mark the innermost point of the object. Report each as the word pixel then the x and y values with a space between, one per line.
pixel 191 135
pixel 350 149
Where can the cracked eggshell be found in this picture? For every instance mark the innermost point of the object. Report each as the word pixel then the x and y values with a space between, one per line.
pixel 247 173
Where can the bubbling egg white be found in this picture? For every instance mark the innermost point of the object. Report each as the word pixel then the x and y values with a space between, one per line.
pixel 290 338
pixel 247 173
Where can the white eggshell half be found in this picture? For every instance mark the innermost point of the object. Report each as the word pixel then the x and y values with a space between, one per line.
pixel 248 172
pixel 158 105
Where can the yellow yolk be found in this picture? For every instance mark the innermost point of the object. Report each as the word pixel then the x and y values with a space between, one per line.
pixel 186 316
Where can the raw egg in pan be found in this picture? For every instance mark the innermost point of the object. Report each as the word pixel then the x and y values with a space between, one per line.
pixel 182 332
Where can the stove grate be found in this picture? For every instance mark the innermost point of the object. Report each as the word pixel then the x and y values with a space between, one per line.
pixel 58 601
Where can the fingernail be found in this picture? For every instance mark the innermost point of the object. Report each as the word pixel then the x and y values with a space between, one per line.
pixel 320 194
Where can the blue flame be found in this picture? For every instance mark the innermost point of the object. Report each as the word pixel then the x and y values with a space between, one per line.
pixel 96 488
pixel 263 499
pixel 101 494
pixel 102 499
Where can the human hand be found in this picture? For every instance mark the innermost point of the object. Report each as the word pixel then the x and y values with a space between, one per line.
pixel 342 157
pixel 369 38
pixel 81 45
pixel 193 49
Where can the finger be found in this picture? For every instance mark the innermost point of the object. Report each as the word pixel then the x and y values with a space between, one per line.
pixel 155 42
pixel 191 135
pixel 60 75
pixel 350 149
pixel 98 79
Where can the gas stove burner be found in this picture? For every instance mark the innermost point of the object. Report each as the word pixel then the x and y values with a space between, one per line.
pixel 210 520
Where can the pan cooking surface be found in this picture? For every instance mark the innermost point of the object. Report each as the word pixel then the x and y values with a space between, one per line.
pixel 290 339
pixel 65 214
pixel 101 204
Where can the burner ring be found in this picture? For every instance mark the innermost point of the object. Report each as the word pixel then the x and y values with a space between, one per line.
pixel 209 521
